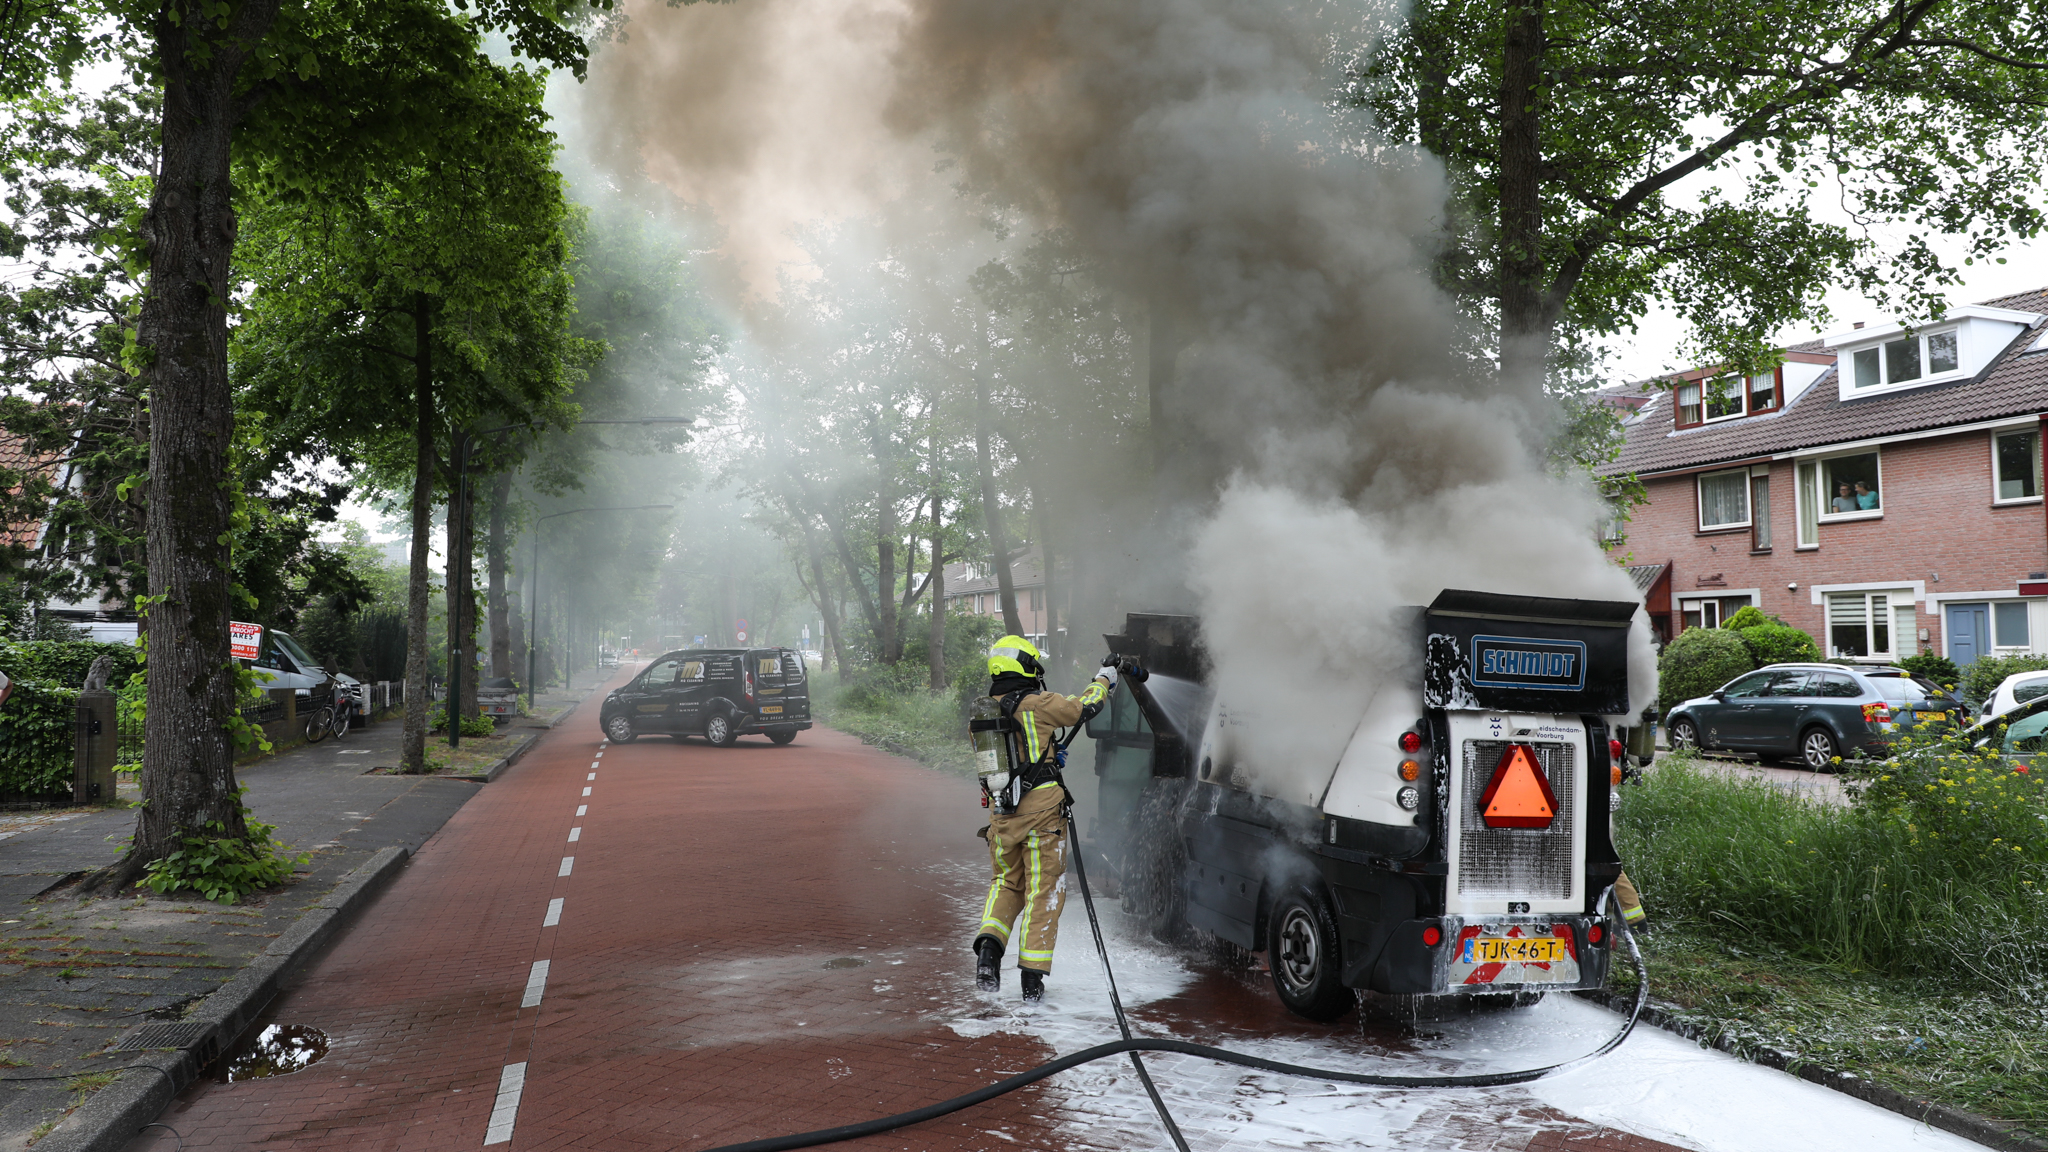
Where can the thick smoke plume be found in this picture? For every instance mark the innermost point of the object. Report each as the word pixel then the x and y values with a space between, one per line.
pixel 1330 452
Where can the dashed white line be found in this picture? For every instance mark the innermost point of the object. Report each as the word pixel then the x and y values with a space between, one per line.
pixel 554 916
pixel 568 862
pixel 582 808
pixel 575 834
pixel 593 763
pixel 592 776
pixel 586 791
pixel 506 1110
pixel 536 984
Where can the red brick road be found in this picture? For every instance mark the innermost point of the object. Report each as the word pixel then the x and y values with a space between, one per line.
pixel 752 941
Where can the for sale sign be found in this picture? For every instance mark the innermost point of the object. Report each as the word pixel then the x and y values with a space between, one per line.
pixel 6 687
pixel 245 641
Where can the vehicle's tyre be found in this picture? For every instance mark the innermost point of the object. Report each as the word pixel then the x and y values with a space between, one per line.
pixel 1684 734
pixel 317 724
pixel 1153 870
pixel 619 729
pixel 1818 749
pixel 720 730
pixel 1301 948
pixel 782 735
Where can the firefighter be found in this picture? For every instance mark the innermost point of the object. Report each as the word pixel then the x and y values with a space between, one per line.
pixel 1028 828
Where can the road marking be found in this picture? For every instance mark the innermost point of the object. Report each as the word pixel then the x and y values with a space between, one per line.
pixel 592 776
pixel 554 913
pixel 600 753
pixel 506 1110
pixel 593 763
pixel 575 834
pixel 536 984
pixel 568 862
pixel 582 808
pixel 586 791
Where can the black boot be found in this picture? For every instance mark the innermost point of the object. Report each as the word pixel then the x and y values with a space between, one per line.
pixel 1034 985
pixel 988 956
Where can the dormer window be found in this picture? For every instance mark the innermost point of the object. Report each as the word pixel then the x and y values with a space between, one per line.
pixel 1922 356
pixel 1895 357
pixel 1708 399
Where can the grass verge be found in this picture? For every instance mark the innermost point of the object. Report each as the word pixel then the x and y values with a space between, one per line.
pixel 903 718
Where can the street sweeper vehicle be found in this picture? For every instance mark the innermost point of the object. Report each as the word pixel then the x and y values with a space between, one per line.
pixel 1459 845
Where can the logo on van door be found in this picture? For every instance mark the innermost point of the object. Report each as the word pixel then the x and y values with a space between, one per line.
pixel 1518 662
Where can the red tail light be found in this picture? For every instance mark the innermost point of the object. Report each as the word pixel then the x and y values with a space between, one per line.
pixel 1432 936
pixel 1878 713
pixel 1411 741
pixel 1595 934
pixel 1615 750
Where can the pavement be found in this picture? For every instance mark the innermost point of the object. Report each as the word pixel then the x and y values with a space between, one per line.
pixel 77 974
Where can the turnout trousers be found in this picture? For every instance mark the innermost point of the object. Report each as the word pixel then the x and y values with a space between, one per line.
pixel 1028 852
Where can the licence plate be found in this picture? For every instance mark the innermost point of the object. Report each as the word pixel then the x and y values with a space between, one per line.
pixel 1505 950
pixel 771 709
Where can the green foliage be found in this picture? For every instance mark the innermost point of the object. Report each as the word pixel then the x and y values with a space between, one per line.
pixel 1934 666
pixel 1697 661
pixel 1748 616
pixel 224 868
pixel 1984 676
pixel 1935 870
pixel 1776 644
pixel 892 707
pixel 66 662
pixel 36 738
pixel 437 721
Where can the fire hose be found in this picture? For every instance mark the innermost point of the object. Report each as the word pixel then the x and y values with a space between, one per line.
pixel 1134 1045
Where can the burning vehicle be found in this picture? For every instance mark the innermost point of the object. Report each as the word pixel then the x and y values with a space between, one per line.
pixel 1459 845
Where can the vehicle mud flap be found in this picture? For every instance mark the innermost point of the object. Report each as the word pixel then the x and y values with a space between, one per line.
pixel 1405 965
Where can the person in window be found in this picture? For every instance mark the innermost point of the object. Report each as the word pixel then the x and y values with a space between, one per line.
pixel 1865 498
pixel 1845 500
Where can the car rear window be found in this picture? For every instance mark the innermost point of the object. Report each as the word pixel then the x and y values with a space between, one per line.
pixel 1907 689
pixel 2030 690
pixel 793 667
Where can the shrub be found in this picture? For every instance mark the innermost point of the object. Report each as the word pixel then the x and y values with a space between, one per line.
pixel 437 721
pixel 1935 667
pixel 1748 616
pixel 1982 678
pixel 65 662
pixel 1697 661
pixel 1776 644
pixel 224 868
pixel 36 738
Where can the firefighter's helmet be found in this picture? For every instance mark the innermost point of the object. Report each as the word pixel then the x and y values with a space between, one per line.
pixel 1014 654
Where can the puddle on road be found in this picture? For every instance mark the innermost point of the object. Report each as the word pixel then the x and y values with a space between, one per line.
pixel 846 962
pixel 278 1050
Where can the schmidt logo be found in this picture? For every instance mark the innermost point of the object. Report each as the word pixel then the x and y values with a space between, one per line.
pixel 1519 662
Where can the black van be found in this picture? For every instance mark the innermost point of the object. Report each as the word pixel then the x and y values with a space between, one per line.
pixel 720 694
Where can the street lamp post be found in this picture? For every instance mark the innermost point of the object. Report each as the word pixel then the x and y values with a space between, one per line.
pixel 533 609
pixel 463 439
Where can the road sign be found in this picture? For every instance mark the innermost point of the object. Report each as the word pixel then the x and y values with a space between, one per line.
pixel 743 635
pixel 245 641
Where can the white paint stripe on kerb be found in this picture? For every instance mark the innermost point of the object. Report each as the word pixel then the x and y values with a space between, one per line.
pixel 575 834
pixel 554 913
pixel 586 791
pixel 568 862
pixel 582 808
pixel 510 1083
pixel 536 984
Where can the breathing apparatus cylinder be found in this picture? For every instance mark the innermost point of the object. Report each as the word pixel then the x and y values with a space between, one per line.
pixel 993 758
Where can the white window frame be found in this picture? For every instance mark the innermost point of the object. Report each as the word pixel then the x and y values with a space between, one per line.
pixel 2033 430
pixel 1892 601
pixel 1700 500
pixel 1745 391
pixel 1821 480
pixel 1998 646
pixel 1847 361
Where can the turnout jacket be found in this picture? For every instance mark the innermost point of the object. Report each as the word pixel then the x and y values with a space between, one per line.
pixel 1039 716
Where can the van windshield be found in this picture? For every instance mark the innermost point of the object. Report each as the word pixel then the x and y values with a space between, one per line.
pixel 290 647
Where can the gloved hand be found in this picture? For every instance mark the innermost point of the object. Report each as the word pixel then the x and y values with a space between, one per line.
pixel 1108 673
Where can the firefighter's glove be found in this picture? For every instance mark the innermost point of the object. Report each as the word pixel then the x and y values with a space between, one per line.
pixel 1108 674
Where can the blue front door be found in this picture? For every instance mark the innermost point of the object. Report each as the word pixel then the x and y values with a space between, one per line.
pixel 1969 633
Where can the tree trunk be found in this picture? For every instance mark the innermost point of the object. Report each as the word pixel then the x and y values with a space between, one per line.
pixel 494 561
pixel 935 639
pixel 462 595
pixel 418 690
pixel 860 588
pixel 1524 329
pixel 828 610
pixel 188 235
pixel 888 637
pixel 991 506
pixel 1055 648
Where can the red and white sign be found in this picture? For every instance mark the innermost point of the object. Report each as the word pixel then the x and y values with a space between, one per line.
pixel 245 641
pixel 6 687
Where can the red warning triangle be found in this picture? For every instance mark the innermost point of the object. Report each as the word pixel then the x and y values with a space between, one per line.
pixel 1518 796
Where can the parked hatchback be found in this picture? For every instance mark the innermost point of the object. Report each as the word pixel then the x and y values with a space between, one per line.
pixel 2014 691
pixel 2019 735
pixel 720 694
pixel 1811 713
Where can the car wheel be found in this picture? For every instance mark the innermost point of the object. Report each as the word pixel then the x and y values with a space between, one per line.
pixel 1154 866
pixel 619 729
pixel 1818 750
pixel 782 735
pixel 720 730
pixel 1684 734
pixel 1301 947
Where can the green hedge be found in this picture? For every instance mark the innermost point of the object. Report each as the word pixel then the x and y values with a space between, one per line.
pixel 1777 644
pixel 1697 661
pixel 1982 678
pixel 66 662
pixel 35 738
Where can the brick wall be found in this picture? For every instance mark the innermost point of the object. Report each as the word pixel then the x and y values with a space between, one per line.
pixel 1939 529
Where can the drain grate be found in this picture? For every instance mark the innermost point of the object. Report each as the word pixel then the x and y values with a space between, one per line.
pixel 164 1036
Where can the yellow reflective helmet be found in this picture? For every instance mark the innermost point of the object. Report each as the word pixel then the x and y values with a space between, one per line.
pixel 1014 654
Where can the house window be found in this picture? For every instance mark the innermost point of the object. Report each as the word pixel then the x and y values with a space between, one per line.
pixel 1709 613
pixel 2009 624
pixel 1688 404
pixel 1860 624
pixel 1809 505
pixel 2016 458
pixel 1921 356
pixel 1727 397
pixel 1724 500
pixel 1763 390
pixel 1724 398
pixel 1760 509
pixel 1038 599
pixel 1849 487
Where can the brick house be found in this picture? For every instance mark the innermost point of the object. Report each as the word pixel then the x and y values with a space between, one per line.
pixel 971 590
pixel 1880 490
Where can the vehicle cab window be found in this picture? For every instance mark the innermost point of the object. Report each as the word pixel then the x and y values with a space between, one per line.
pixel 1794 683
pixel 664 672
pixel 1754 684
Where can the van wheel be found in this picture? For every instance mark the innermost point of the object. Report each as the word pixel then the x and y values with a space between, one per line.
pixel 1301 947
pixel 1818 750
pixel 1155 864
pixel 720 730
pixel 619 729
pixel 781 735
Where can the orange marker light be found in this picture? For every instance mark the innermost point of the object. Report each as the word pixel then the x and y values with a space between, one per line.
pixel 1519 795
pixel 1410 769
pixel 1614 775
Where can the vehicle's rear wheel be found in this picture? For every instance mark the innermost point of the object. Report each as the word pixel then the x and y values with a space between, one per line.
pixel 1155 862
pixel 619 729
pixel 1301 948
pixel 1818 750
pixel 1684 734
pixel 720 730
pixel 782 735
